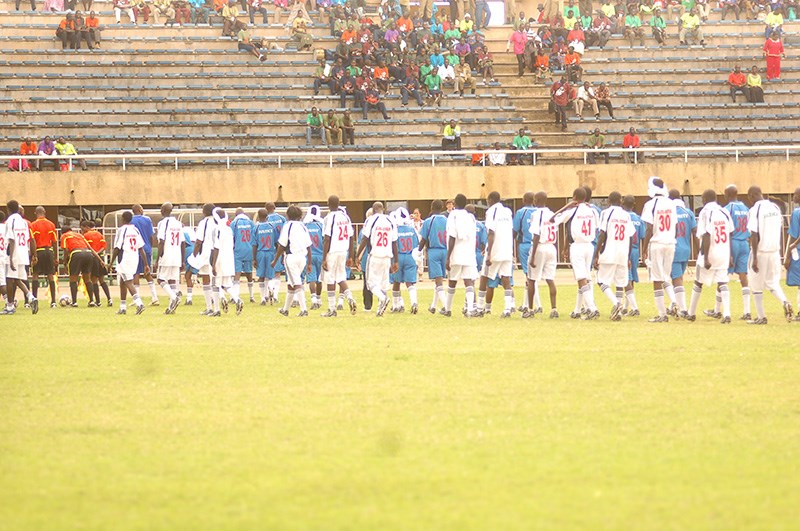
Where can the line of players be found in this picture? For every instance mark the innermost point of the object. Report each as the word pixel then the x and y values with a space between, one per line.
pixel 319 251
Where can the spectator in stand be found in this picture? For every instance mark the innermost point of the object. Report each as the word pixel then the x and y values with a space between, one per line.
pixel 631 141
pixel 447 74
pixel 51 6
pixel 297 9
pixel 372 98
pixel 703 9
pixel 600 31
pixel 301 34
pixel 322 76
pixel 18 2
pixel 183 14
pixel 518 40
pixel 773 51
pixel 690 28
pixel 738 83
pixel 348 128
pixel 561 94
pixel 333 128
pixel 464 79
pixel 66 32
pixel 244 43
pixel 256 6
pixel 125 6
pixel 521 142
pixel 659 27
pixel 47 149
pixel 381 76
pixel 66 149
pixel 451 136
pixel 728 6
pixel 604 99
pixel 82 32
pixel 633 28
pixel 577 39
pixel 433 86
pixel 518 22
pixel 485 61
pixel 411 88
pixel 497 159
pixel 541 67
pixel 163 8
pixel 28 147
pixel 314 126
pixel 199 12
pixel 611 14
pixel 572 65
pixel 482 14
pixel 586 96
pixel 596 141
pixel 93 29
pixel 466 26
pixel 774 22
pixel 754 89
pixel 141 10
pixel 347 87
pixel 571 8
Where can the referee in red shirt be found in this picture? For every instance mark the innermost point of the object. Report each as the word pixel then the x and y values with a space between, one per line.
pixel 44 233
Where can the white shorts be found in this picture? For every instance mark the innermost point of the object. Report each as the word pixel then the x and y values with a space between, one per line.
pixel 295 264
pixel 661 257
pixel 378 273
pixel 769 272
pixel 127 269
pixel 612 275
pixel 20 274
pixel 544 263
pixel 502 269
pixel 169 273
pixel 462 272
pixel 336 272
pixel 224 282
pixel 580 257
pixel 708 277
pixel 2 275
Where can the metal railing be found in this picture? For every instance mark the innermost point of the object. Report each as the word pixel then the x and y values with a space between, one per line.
pixel 338 158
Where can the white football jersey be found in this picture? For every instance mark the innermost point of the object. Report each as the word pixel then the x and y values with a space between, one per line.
pixel 662 214
pixel 461 227
pixel 500 221
pixel 339 228
pixel 542 224
pixel 223 243
pixel 18 231
pixel 205 234
pixel 170 231
pixel 295 238
pixel 717 223
pixel 381 232
pixel 129 240
pixel 766 220
pixel 617 225
pixel 583 222
pixel 3 245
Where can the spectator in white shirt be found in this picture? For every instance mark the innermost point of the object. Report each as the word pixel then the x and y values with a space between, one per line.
pixel 586 96
pixel 498 158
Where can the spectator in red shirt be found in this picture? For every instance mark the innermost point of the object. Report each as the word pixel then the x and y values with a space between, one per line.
pixel 28 147
pixel 561 93
pixel 738 83
pixel 631 141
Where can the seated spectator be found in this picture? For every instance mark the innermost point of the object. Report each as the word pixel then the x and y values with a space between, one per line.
pixel 297 9
pixel 163 8
pixel 314 127
pixel 229 13
pixel 243 38
pixel 141 10
pixel 596 141
pixel 485 61
pixel 66 32
pixel 521 142
pixel 631 141
pixel 257 6
pixel 411 88
pixel 633 28
pixel 586 96
pixel 690 28
pixel 600 31
pixel 447 74
pixel 774 22
pixel 372 98
pixel 464 79
pixel 51 6
pixel 183 15
pixel 47 149
pixel 451 136
pixel 348 129
pixel 572 65
pixel 611 14
pixel 381 76
pixel 66 149
pixel 433 86
pixel 754 89
pixel 541 67
pixel 199 12
pixel 572 8
pixel 604 99
pixel 347 87
pixel 659 27
pixel 82 32
pixel 93 28
pixel 28 147
pixel 301 34
pixel 577 39
pixel 322 76
pixel 728 6
pixel 466 24
pixel 125 6
pixel 333 128
pixel 738 83
pixel 497 159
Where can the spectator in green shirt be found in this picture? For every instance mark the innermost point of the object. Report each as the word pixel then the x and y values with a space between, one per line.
pixel 314 126
pixel 433 85
pixel 659 26
pixel 690 28
pixel 521 142
pixel 633 28
pixel 451 136
pixel 67 149
pixel 333 128
pixel 596 141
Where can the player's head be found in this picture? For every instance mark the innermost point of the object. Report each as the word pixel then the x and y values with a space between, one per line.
pixel 461 200
pixel 262 214
pixel 709 196
pixel 527 198
pixel 579 195
pixel 754 194
pixel 656 187
pixel 86 225
pixel 40 212
pixel 449 204
pixel 540 199
pixel 731 193
pixel 166 209
pixel 436 206
pixel 208 209
pixel 470 208
pixel 368 213
pixel 270 206
pixel 615 198
pixel 2 216
pixel 137 210
pixel 796 195
pixel 377 207
pixel 294 213
pixel 628 202
pixel 220 215
pixel 674 194
pixel 12 206
pixel 239 212
pixel 588 192
pixel 494 197
pixel 333 203
pixel 127 216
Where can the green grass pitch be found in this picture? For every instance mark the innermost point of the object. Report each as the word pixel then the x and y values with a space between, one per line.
pixel 400 423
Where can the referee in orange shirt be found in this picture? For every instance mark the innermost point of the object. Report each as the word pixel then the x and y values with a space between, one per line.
pixel 44 233
pixel 99 269
pixel 80 258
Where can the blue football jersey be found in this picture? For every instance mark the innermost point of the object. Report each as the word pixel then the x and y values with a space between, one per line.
pixel 277 220
pixel 407 239
pixel 640 230
pixel 266 237
pixel 522 223
pixel 740 215
pixel 686 223
pixel 481 237
pixel 243 230
pixel 434 229
pixel 315 231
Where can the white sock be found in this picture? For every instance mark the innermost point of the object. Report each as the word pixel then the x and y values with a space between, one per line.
pixel 669 290
pixel 250 288
pixel 262 288
pixel 537 299
pixel 609 293
pixel 470 298
pixel 588 297
pixel 778 293
pixel 137 300
pixel 481 299
pixel 167 289
pixel 659 295
pixel 448 302
pixel 234 290
pixel 718 303
pixel 726 300
pixel 578 301
pixel 277 288
pixel 746 299
pixel 758 297
pixel 208 297
pixel 630 295
pixel 509 293
pixel 412 294
pixel 153 293
pixel 188 294
pixel 680 295
pixel 214 298
pixel 331 300
pixel 348 294
pixel 289 296
pixel 300 297
pixel 488 307
pixel 397 302
pixel 123 305
pixel 695 300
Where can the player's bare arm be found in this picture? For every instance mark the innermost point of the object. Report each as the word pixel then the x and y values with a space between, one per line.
pixel 646 241
pixel 489 245
pixel 395 255
pixel 360 252
pixel 278 253
pixel 214 254
pixel 308 261
pixel 10 251
pixel 326 246
pixel 451 242
pixel 705 245
pixel 143 258
pixel 754 239
pixel 534 246
pixel 160 254
pixel 601 246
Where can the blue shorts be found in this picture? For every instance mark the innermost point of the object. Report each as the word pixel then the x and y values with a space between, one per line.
pixel 524 251
pixel 244 265
pixel 678 269
pixel 436 262
pixel 479 260
pixel 316 267
pixel 264 264
pixel 149 256
pixel 406 269
pixel 793 275
pixel 279 266
pixel 192 270
pixel 740 250
pixel 495 282
pixel 633 272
